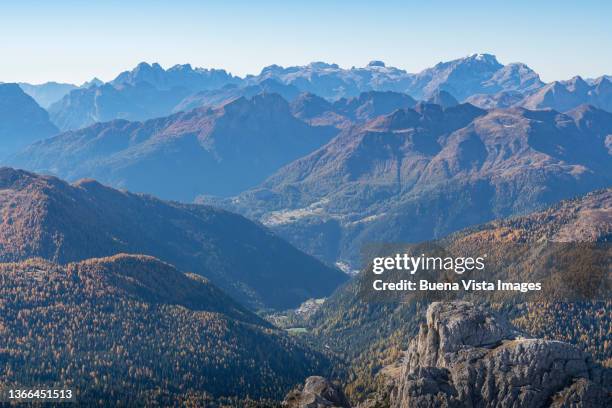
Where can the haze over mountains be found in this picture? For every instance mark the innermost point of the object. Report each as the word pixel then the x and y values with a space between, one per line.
pixel 331 157
pixel 146 92
pixel 480 77
pixel 127 294
pixel 478 73
pixel 48 93
pixel 51 219
pixel 149 91
pixel 347 111
pixel 219 151
pixel 421 173
pixel 22 121
pixel 86 106
pixel 565 95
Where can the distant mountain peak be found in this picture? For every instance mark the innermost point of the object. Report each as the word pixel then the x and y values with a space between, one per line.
pixel 93 82
pixel 489 58
pixel 270 69
pixel 376 63
pixel 182 67
pixel 323 65
pixel 471 75
pixel 566 95
pixel 308 105
pixel 397 120
pixel 603 80
pixel 577 84
pixel 147 66
pixel 264 103
pixel 478 58
pixel 443 98
pixel 176 76
pixel 22 120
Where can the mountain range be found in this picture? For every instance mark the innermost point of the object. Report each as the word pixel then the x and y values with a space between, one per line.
pixel 202 212
pixel 330 174
pixel 348 111
pixel 475 74
pixel 178 76
pixel 85 106
pixel 220 151
pixel 150 91
pixel 48 93
pixel 332 82
pixel 566 95
pixel 418 174
pixel 44 217
pixel 146 92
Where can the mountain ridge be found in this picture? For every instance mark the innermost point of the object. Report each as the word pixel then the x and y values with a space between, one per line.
pixel 228 149
pixel 22 120
pixel 131 328
pixel 188 87
pixel 49 218
pixel 419 161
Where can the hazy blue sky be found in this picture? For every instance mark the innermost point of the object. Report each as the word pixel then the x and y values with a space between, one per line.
pixel 73 41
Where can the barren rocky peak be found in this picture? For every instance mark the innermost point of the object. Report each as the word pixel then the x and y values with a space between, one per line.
pixel 317 392
pixel 452 327
pixel 467 356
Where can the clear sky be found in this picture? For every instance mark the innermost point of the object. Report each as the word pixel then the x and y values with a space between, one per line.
pixel 73 41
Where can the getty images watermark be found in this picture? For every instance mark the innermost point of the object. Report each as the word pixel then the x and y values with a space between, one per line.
pixel 506 271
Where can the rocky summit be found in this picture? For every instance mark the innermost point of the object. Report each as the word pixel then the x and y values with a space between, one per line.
pixel 467 356
pixel 317 392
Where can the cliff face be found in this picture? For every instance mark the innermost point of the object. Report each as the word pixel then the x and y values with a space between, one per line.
pixel 466 356
pixel 317 392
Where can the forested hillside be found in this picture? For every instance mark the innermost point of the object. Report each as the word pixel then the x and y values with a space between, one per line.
pixel 129 329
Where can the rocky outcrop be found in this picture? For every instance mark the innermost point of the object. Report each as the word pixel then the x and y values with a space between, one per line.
pixel 467 356
pixel 317 392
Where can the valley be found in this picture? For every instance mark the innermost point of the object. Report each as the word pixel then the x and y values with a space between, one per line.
pixel 186 236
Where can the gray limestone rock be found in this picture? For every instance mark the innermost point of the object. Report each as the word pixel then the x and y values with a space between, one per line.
pixel 317 392
pixel 465 356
